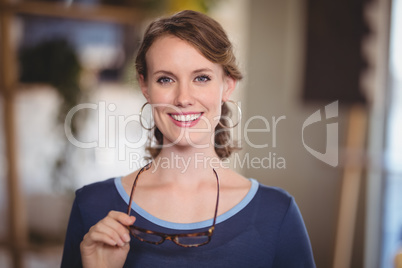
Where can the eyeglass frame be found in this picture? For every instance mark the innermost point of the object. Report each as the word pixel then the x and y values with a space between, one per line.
pixel 172 237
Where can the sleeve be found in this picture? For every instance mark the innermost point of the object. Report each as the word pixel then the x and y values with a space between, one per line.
pixel 293 247
pixel 75 233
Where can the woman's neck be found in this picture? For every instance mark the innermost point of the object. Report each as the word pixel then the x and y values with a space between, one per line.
pixel 184 163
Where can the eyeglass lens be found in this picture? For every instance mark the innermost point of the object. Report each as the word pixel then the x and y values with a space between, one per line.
pixel 185 240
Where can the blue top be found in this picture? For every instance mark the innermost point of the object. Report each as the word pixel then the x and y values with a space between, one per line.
pixel 264 230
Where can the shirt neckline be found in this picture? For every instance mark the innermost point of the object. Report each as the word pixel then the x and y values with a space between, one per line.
pixel 188 226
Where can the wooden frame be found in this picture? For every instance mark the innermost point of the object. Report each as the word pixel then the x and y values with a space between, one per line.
pixel 17 224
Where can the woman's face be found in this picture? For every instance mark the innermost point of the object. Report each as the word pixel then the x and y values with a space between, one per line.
pixel 186 91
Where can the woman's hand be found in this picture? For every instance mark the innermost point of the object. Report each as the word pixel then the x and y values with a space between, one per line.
pixel 107 242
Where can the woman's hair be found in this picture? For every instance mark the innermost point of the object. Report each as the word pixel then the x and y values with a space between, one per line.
pixel 208 37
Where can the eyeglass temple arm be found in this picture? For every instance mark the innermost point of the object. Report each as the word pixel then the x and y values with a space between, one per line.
pixel 146 167
pixel 217 198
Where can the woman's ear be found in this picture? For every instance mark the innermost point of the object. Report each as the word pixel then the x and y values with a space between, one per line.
pixel 230 85
pixel 144 86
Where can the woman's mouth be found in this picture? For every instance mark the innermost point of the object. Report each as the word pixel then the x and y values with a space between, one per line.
pixel 186 120
pixel 185 117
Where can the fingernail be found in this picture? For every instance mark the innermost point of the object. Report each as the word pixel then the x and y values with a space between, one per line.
pixel 126 238
pixel 121 243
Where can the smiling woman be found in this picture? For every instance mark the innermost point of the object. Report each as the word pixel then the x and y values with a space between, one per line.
pixel 202 215
pixel 188 90
pixel 206 37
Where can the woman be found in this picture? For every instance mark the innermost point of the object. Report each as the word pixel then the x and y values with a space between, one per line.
pixel 184 208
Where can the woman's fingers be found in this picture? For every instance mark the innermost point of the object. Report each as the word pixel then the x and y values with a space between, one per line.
pixel 93 237
pixel 106 231
pixel 106 243
pixel 111 230
pixel 121 217
pixel 119 221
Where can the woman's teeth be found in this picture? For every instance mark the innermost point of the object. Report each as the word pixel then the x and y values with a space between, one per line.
pixel 185 118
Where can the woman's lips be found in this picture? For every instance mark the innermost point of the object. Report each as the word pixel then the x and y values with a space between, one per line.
pixel 185 119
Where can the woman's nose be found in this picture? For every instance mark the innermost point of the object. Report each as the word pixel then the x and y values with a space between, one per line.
pixel 184 96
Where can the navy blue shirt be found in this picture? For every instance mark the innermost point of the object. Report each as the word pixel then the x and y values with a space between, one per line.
pixel 264 230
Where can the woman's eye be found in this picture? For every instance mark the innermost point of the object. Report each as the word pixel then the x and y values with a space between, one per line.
pixel 164 80
pixel 202 78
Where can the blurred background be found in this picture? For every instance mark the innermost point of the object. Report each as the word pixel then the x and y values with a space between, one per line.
pixel 321 101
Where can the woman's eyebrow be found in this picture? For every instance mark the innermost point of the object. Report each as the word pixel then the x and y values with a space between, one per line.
pixel 163 72
pixel 202 70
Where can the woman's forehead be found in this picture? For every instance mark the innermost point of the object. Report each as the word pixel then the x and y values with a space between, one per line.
pixel 172 52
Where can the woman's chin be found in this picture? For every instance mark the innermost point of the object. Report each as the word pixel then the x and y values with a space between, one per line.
pixel 190 141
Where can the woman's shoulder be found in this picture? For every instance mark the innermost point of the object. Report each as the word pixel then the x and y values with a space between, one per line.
pixel 271 197
pixel 274 192
pixel 276 206
pixel 93 192
pixel 97 186
pixel 94 201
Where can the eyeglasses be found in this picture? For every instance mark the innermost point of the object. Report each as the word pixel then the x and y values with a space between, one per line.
pixel 186 240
